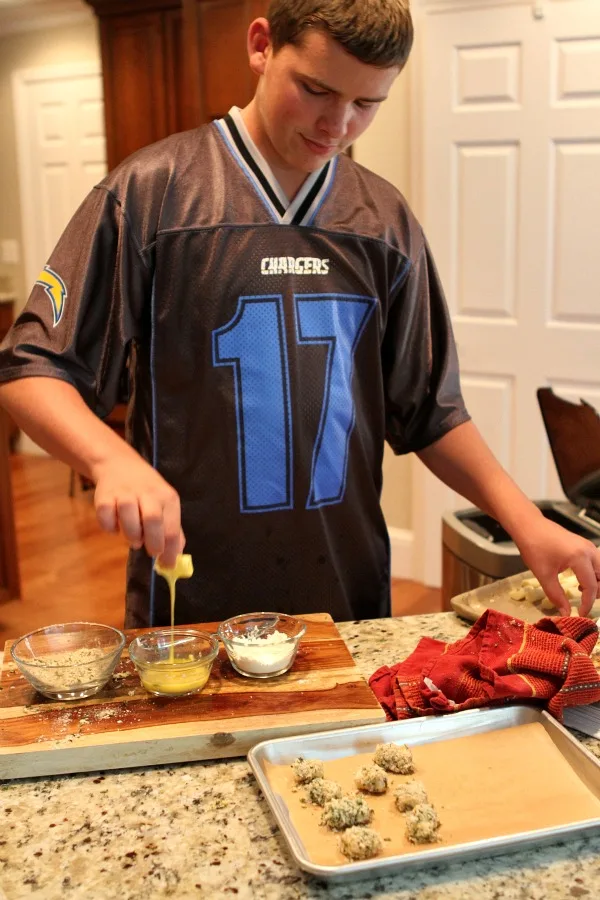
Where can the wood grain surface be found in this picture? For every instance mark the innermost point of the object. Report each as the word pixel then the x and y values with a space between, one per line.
pixel 124 726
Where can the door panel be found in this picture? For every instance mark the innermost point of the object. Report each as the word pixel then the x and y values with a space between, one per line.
pixel 61 149
pixel 484 262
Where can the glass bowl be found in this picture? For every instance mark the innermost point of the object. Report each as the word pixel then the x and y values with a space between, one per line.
pixel 263 644
pixel 70 661
pixel 172 662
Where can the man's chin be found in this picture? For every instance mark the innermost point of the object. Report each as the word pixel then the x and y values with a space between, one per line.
pixel 318 153
pixel 311 163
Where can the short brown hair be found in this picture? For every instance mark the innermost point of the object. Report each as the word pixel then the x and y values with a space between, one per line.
pixel 377 32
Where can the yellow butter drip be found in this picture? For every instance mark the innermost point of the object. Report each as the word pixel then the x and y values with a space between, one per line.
pixel 183 568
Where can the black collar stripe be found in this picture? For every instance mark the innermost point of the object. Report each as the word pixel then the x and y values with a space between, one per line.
pixel 311 196
pixel 252 165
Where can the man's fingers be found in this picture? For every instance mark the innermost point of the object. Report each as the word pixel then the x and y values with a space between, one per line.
pixel 106 512
pixel 130 522
pixel 174 541
pixel 556 595
pixel 588 583
pixel 169 557
pixel 153 527
pixel 147 511
pixel 596 567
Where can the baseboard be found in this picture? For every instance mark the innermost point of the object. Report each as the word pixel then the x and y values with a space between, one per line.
pixel 402 543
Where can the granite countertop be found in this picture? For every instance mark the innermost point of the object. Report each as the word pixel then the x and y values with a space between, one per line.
pixel 203 830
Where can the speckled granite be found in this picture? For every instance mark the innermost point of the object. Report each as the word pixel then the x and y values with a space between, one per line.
pixel 203 830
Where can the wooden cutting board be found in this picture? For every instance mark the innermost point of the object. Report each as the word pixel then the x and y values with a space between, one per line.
pixel 124 726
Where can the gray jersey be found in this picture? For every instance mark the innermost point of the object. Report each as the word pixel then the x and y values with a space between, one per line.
pixel 272 349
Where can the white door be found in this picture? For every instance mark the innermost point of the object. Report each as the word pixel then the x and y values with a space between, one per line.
pixel 511 205
pixel 61 151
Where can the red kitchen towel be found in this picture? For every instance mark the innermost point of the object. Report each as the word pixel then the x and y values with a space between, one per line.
pixel 501 660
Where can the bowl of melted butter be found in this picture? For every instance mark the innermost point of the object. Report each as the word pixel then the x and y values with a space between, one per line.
pixel 172 662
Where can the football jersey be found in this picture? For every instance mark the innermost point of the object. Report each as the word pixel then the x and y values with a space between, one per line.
pixel 272 348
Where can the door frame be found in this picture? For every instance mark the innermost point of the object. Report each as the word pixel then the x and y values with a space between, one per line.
pixel 22 79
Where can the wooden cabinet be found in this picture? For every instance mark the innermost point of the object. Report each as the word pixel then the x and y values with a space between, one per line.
pixel 10 585
pixel 169 65
pixel 133 67
pixel 225 79
pixel 6 320
pixel 6 316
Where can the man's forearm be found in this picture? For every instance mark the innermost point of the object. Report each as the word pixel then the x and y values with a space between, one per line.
pixel 463 461
pixel 56 417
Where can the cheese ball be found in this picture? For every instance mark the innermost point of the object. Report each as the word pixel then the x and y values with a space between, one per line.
pixel 371 779
pixel 409 795
pixel 360 843
pixel 422 824
pixel 306 770
pixel 343 812
pixel 320 790
pixel 395 758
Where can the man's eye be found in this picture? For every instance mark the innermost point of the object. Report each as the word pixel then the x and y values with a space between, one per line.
pixel 361 104
pixel 310 90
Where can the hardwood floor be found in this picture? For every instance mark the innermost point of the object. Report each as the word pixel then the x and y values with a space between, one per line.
pixel 70 570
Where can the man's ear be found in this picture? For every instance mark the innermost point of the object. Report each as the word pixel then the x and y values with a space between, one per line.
pixel 259 45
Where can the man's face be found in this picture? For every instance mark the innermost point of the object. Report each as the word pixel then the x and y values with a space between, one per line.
pixel 313 100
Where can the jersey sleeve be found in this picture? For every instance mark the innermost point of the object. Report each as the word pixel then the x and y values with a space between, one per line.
pixel 420 362
pixel 86 307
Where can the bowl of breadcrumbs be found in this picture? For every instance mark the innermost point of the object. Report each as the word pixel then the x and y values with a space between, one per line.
pixel 69 661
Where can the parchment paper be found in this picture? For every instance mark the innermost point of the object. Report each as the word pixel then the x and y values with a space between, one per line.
pixel 482 786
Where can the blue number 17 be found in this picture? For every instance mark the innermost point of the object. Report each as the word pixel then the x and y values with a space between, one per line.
pixel 253 343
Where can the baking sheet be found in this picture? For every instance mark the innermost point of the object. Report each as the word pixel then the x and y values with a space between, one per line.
pixel 474 603
pixel 498 778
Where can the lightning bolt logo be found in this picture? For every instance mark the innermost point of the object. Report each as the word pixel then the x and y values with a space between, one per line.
pixel 56 290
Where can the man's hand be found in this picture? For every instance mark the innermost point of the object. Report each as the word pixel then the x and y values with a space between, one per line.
pixel 463 461
pixel 133 498
pixel 547 549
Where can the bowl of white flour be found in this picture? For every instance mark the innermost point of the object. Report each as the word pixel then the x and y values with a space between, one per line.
pixel 261 645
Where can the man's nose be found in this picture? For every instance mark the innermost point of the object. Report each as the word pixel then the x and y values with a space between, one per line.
pixel 336 119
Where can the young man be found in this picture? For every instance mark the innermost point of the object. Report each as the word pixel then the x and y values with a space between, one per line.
pixel 281 317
